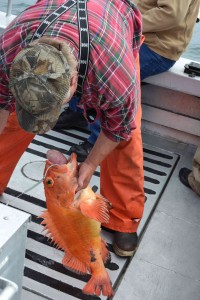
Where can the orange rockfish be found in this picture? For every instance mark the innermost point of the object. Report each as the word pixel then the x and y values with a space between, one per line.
pixel 73 222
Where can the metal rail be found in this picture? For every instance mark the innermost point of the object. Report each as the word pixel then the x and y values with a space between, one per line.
pixel 9 8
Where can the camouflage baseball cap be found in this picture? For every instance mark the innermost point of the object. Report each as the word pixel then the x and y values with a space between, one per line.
pixel 39 81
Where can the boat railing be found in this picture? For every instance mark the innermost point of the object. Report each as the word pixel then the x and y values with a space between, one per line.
pixel 9 8
pixel 6 17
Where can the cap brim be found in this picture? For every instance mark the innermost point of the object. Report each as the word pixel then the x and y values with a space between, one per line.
pixel 37 124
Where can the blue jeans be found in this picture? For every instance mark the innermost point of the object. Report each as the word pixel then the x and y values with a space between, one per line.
pixel 73 104
pixel 95 127
pixel 151 63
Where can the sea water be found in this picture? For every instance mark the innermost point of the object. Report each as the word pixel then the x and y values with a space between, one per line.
pixel 192 52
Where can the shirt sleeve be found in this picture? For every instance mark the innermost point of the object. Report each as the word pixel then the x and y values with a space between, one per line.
pixel 118 122
pixel 7 100
pixel 165 15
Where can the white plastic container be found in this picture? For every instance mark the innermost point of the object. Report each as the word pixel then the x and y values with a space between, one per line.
pixel 13 233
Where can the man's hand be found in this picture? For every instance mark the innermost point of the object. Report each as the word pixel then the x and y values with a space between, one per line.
pixel 85 173
pixel 100 150
pixel 4 114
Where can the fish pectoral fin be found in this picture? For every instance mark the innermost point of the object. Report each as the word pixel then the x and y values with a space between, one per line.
pixel 74 264
pixel 96 209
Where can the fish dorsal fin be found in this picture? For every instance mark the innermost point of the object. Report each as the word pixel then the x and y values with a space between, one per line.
pixel 95 208
pixel 51 230
pixel 69 261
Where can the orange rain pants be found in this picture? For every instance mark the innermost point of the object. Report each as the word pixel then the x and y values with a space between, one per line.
pixel 122 180
pixel 13 142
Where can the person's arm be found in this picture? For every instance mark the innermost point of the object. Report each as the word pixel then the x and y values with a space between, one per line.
pixel 166 15
pixel 101 149
pixel 7 101
pixel 3 119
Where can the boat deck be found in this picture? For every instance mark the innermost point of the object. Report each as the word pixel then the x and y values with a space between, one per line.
pixel 167 262
pixel 166 265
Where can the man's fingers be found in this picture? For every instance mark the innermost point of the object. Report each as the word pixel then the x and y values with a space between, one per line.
pixel 80 185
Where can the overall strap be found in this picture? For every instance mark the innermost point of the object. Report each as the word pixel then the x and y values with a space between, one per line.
pixel 84 44
pixel 83 35
pixel 51 18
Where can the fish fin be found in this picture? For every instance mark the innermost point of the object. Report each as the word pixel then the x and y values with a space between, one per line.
pixel 105 253
pixel 50 229
pixel 98 283
pixel 68 261
pixel 74 264
pixel 96 209
pixel 108 203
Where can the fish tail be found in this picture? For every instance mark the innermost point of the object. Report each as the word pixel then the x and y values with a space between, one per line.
pixel 98 283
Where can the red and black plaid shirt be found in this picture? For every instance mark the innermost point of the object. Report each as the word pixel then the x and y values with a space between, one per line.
pixel 112 85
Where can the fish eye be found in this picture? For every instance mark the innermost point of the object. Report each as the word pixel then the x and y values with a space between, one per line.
pixel 49 181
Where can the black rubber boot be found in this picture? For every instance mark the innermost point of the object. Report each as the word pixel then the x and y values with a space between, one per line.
pixel 183 175
pixel 82 150
pixel 69 119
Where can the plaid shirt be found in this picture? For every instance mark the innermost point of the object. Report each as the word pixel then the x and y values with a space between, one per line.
pixel 112 85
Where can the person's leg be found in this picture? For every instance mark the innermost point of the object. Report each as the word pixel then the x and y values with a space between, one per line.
pixel 152 63
pixel 194 176
pixel 73 104
pixel 72 116
pixel 122 182
pixel 83 149
pixel 95 129
pixel 13 142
